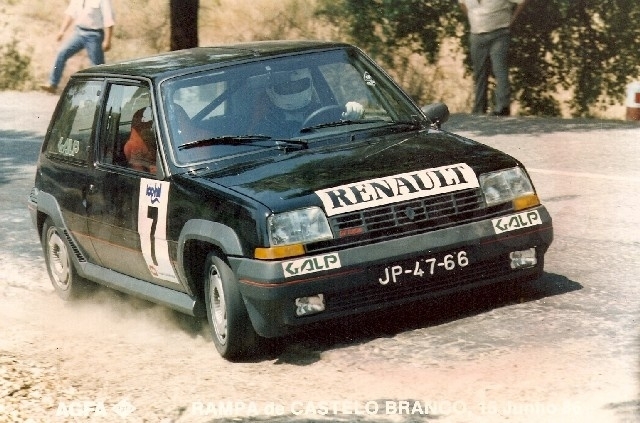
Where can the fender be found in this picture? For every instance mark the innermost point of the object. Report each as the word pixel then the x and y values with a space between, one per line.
pixel 222 236
pixel 47 204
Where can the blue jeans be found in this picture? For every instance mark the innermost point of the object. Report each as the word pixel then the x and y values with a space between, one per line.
pixel 82 38
pixel 489 53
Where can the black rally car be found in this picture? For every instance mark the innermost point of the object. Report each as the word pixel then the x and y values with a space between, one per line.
pixel 271 185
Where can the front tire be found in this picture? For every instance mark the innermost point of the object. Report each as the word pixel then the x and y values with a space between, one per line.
pixel 64 278
pixel 231 329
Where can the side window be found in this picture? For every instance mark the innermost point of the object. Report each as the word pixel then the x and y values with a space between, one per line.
pixel 128 137
pixel 73 127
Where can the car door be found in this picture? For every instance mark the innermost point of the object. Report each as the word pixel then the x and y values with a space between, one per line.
pixel 128 203
pixel 67 155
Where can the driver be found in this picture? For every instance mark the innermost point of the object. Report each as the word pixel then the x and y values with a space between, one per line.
pixel 292 94
pixel 140 149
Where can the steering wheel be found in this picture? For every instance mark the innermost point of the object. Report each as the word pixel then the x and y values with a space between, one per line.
pixel 324 114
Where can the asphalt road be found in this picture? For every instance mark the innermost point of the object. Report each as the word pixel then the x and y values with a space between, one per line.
pixel 563 348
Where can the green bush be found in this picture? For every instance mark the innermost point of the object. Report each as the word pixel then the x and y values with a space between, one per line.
pixel 15 68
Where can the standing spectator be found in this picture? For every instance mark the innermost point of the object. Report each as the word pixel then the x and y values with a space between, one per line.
pixel 490 21
pixel 94 20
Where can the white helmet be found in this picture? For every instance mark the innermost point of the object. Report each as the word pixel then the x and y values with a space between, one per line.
pixel 291 90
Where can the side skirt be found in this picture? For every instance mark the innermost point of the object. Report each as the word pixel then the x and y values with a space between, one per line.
pixel 175 300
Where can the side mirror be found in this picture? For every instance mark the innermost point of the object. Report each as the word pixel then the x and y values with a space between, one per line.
pixel 437 113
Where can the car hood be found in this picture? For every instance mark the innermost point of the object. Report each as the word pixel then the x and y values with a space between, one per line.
pixel 303 178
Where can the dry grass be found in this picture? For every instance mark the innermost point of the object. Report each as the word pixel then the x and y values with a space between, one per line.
pixel 142 28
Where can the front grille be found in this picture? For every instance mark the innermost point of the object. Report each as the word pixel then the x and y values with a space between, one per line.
pixel 407 218
pixel 371 295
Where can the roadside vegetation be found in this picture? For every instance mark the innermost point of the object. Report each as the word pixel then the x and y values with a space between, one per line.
pixel 570 57
pixel 15 67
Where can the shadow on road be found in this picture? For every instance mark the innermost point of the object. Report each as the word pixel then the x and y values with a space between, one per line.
pixel 628 411
pixel 489 125
pixel 306 348
pixel 19 148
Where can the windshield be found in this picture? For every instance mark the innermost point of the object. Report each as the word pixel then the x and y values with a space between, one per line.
pixel 263 104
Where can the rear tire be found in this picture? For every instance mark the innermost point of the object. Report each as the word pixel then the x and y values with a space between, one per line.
pixel 231 329
pixel 64 278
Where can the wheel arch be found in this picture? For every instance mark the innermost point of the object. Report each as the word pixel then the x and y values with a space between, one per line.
pixel 197 239
pixel 48 207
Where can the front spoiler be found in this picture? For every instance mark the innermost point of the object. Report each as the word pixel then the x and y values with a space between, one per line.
pixel 354 287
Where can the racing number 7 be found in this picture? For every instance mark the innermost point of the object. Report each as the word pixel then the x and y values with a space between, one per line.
pixel 152 213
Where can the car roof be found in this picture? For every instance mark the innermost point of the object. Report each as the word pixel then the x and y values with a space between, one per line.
pixel 186 61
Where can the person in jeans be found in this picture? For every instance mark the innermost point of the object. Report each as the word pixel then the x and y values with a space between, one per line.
pixel 490 21
pixel 94 21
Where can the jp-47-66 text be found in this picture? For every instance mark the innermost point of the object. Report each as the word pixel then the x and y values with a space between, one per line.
pixel 425 267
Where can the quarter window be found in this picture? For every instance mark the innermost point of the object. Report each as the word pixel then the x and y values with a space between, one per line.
pixel 73 127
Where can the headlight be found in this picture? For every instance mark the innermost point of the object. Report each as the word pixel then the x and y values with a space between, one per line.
pixel 511 185
pixel 298 227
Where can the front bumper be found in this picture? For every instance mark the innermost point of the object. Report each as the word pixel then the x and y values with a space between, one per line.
pixel 414 268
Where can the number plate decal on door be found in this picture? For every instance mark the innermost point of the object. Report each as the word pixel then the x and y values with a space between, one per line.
pixel 152 227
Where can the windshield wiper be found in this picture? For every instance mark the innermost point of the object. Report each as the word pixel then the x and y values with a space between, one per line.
pixel 339 123
pixel 224 140
pixel 241 140
pixel 411 123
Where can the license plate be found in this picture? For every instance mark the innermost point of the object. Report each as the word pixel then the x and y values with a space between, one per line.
pixel 424 268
